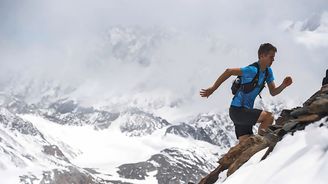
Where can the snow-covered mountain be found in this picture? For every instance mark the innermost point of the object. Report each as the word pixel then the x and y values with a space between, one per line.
pixel 63 141
pixel 107 92
pixel 216 129
pixel 28 157
pixel 171 165
pixel 76 125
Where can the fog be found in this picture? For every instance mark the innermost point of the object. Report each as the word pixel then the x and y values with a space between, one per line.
pixel 158 54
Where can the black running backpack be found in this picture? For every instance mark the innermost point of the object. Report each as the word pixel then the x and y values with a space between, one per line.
pixel 250 86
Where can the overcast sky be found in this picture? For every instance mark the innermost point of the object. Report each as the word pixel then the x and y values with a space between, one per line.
pixel 161 52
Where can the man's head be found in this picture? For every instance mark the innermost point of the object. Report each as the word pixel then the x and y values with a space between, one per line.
pixel 266 53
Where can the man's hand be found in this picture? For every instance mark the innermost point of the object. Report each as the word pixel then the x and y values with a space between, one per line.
pixel 206 92
pixel 224 76
pixel 287 81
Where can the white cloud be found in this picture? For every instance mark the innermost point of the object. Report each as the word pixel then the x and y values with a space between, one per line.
pixel 148 51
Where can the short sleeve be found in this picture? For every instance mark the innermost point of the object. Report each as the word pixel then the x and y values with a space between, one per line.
pixel 270 77
pixel 248 71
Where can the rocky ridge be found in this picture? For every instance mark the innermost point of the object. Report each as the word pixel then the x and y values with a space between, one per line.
pixel 290 120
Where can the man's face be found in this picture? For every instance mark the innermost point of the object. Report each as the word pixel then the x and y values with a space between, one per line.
pixel 268 58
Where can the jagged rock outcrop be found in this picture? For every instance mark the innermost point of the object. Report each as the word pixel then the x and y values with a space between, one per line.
pixel 185 130
pixel 14 123
pixel 53 150
pixel 135 122
pixel 23 145
pixel 69 112
pixel 314 109
pixel 68 175
pixel 215 129
pixel 63 111
pixel 11 149
pixel 170 166
pixel 15 104
pixel 72 175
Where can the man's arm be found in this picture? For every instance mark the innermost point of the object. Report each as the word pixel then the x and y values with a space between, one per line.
pixel 276 90
pixel 224 76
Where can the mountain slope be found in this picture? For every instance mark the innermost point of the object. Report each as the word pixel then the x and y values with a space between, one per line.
pixel 301 158
pixel 289 122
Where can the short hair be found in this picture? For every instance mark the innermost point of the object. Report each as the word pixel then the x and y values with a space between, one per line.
pixel 265 48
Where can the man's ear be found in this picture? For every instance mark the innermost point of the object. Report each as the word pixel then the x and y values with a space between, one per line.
pixel 261 56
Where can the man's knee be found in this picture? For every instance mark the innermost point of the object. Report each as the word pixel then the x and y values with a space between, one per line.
pixel 266 117
pixel 269 118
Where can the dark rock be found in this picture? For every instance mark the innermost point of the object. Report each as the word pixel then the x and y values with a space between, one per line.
pixel 218 127
pixel 139 123
pixel 289 125
pixel 65 107
pixel 136 171
pixel 284 116
pixel 117 182
pixel 300 111
pixel 91 170
pixel 13 122
pixel 172 165
pixel 319 106
pixel 312 98
pixel 70 176
pixel 70 113
pixel 324 89
pixel 308 118
pixel 53 150
pixel 28 179
pixel 325 79
pixel 185 130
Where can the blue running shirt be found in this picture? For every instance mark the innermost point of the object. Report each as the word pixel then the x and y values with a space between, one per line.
pixel 248 73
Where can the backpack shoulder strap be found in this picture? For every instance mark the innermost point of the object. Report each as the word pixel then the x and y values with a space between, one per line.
pixel 266 75
pixel 264 80
pixel 256 78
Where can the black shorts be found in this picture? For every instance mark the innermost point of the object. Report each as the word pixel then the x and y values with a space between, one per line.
pixel 244 119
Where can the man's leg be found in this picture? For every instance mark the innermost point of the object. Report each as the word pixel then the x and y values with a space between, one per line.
pixel 243 131
pixel 266 119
